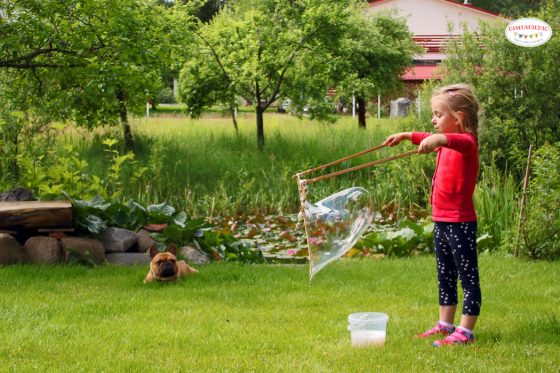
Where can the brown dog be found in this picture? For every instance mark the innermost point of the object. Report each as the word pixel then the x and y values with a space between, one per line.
pixel 165 267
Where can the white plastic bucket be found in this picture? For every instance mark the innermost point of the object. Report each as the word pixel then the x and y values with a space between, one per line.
pixel 368 328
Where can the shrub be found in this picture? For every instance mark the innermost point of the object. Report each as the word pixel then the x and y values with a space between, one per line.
pixel 541 232
pixel 165 96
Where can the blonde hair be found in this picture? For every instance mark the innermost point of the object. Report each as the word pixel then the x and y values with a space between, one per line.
pixel 460 97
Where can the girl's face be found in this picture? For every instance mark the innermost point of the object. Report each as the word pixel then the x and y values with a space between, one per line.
pixel 443 120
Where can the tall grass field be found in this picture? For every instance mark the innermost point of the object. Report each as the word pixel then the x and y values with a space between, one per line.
pixel 204 167
pixel 264 318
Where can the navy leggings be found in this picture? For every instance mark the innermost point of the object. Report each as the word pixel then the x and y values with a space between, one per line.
pixel 455 245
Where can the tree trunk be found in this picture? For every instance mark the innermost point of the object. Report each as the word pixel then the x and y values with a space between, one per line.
pixel 127 133
pixel 361 112
pixel 234 119
pixel 260 128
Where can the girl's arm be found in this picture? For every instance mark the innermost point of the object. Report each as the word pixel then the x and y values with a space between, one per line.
pixel 430 143
pixel 461 142
pixel 396 138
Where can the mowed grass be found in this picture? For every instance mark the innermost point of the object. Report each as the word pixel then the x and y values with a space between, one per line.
pixel 265 318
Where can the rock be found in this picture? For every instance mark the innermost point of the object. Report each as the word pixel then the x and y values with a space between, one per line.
pixel 118 240
pixel 144 240
pixel 17 194
pixel 85 248
pixel 195 256
pixel 128 259
pixel 10 250
pixel 155 227
pixel 43 250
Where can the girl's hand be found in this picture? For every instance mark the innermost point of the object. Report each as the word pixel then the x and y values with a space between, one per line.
pixel 396 138
pixel 430 143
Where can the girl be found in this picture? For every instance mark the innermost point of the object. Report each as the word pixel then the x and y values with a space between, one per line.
pixel 455 119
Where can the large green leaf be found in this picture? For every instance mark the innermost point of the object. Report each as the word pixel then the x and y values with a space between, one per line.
pixel 93 224
pixel 180 219
pixel 161 213
pixel 418 229
pixel 394 241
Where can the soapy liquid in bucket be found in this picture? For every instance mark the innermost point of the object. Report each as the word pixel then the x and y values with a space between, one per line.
pixel 364 338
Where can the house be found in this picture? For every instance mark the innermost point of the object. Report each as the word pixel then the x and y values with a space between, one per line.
pixel 433 24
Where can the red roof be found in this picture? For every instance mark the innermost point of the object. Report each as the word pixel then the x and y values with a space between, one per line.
pixel 421 72
pixel 453 2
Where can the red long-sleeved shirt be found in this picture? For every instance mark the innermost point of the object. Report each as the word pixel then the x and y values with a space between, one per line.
pixel 454 178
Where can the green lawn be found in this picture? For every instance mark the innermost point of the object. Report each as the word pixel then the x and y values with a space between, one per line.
pixel 268 318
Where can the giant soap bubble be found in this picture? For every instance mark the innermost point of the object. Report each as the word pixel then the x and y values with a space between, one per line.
pixel 334 224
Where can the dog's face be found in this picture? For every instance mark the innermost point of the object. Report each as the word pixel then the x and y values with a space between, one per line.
pixel 164 264
pixel 165 267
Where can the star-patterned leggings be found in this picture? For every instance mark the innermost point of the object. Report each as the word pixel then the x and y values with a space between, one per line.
pixel 455 246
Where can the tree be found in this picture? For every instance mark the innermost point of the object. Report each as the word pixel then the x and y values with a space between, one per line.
pixel 209 9
pixel 88 61
pixel 264 51
pixel 517 87
pixel 376 53
pixel 204 10
pixel 511 8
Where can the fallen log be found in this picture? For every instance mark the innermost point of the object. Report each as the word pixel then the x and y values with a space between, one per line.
pixel 35 215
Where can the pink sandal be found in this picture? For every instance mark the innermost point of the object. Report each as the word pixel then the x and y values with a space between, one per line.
pixel 458 337
pixel 438 329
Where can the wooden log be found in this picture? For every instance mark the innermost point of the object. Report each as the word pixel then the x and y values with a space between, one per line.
pixel 35 214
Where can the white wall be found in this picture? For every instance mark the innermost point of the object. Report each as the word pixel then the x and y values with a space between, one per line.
pixel 432 17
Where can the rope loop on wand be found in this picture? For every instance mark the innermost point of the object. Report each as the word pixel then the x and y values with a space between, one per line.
pixel 302 187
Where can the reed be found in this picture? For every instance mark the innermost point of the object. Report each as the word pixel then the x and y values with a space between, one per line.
pixel 497 205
